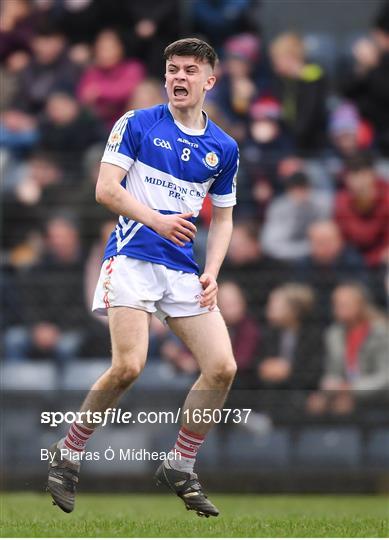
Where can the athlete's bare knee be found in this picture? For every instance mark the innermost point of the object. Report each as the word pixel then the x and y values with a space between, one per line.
pixel 123 375
pixel 221 373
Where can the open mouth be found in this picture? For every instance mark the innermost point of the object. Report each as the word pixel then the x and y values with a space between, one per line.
pixel 180 91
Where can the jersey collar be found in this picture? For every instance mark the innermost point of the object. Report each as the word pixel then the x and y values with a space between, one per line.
pixel 187 130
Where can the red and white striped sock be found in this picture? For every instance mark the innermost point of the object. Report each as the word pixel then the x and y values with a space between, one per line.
pixel 77 437
pixel 187 444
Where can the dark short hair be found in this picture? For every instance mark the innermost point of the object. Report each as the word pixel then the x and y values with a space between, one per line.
pixel 359 162
pixel 359 287
pixel 192 47
pixel 47 29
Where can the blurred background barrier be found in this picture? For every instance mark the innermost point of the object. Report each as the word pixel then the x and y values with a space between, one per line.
pixel 304 89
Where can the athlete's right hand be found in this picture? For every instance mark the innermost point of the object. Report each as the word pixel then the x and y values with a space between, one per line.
pixel 176 227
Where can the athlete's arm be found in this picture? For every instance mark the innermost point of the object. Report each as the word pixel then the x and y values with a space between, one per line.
pixel 111 194
pixel 219 237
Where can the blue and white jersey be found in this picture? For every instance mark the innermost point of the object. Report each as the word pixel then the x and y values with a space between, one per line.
pixel 170 168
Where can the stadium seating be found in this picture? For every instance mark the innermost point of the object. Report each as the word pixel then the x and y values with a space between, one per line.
pixel 378 448
pixel 340 447
pixel 245 450
pixel 28 376
pixel 81 375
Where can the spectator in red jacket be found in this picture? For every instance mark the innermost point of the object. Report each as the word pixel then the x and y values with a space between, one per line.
pixel 362 210
pixel 107 85
pixel 356 354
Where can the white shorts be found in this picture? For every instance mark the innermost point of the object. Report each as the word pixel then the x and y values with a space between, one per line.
pixel 129 282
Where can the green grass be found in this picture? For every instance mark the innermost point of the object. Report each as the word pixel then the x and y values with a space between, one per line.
pixel 32 515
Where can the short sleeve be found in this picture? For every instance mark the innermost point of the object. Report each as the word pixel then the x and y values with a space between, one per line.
pixel 122 144
pixel 223 189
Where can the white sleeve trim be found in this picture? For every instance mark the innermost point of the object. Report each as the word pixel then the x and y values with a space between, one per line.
pixel 115 158
pixel 223 200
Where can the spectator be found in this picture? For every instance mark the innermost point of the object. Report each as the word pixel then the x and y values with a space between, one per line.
pixel 166 346
pixel 244 335
pixel 267 144
pixel 301 89
pixel 289 216
pixel 348 133
pixel 39 191
pixel 15 27
pixel 67 130
pixel 49 69
pixel 219 19
pixel 357 362
pixel 55 311
pixel 236 89
pixel 92 216
pixel 37 188
pixel 329 263
pixel 291 352
pixel 362 210
pixel 107 85
pixel 81 21
pixel 367 82
pixel 9 76
pixel 18 132
pixel 174 352
pixel 253 271
pixel 152 26
pixel 147 94
pixel 243 330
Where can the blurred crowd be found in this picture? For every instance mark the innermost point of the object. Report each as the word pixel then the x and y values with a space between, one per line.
pixel 304 287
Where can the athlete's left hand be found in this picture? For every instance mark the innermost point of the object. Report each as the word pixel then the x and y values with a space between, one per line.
pixel 209 294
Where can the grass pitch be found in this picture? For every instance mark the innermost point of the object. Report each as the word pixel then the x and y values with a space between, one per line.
pixel 32 515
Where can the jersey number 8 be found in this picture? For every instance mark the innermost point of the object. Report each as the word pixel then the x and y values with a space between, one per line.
pixel 185 156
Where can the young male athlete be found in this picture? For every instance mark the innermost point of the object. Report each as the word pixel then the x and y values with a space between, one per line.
pixel 157 168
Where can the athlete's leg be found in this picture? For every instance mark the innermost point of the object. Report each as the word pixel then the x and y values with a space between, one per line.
pixel 129 330
pixel 129 337
pixel 206 336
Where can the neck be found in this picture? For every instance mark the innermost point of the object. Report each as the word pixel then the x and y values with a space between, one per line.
pixel 292 325
pixel 365 199
pixel 356 322
pixel 192 118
